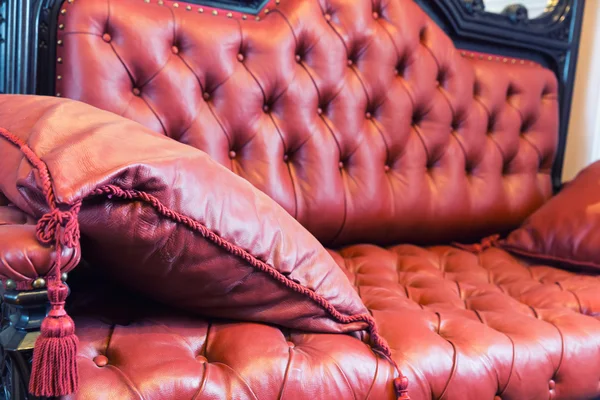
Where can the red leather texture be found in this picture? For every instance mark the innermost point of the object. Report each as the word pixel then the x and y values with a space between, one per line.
pixel 359 117
pixel 566 230
pixel 184 357
pixel 22 258
pixel 461 326
pixel 214 270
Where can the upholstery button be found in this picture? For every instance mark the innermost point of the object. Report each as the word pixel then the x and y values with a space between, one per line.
pixel 232 154
pixel 106 37
pixel 201 359
pixel 327 17
pixel 291 344
pixel 266 108
pixel 386 168
pixel 136 91
pixel 350 62
pixel 368 115
pixel 319 111
pixel 206 96
pixel 286 158
pixel 298 58
pixel 175 50
pixel 375 14
pixel 240 57
pixel 341 164
pixel 552 384
pixel 101 361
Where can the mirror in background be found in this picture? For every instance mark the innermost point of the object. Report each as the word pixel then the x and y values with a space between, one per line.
pixel 533 8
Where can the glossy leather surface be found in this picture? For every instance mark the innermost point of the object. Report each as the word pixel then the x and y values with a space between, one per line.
pixel 185 357
pixel 565 229
pixel 359 117
pixel 461 326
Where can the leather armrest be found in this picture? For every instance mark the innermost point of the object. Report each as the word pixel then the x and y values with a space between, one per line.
pixel 23 259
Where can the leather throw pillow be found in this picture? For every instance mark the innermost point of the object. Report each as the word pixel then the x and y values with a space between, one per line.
pixel 165 220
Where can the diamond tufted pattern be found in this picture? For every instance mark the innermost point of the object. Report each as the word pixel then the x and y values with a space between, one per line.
pixel 461 326
pixel 359 117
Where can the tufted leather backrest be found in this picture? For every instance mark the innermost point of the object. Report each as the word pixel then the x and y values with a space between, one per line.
pixel 358 116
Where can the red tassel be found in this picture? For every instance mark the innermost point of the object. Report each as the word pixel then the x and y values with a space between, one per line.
pixel 401 386
pixel 54 369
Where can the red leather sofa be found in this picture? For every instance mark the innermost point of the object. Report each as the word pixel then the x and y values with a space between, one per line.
pixel 389 145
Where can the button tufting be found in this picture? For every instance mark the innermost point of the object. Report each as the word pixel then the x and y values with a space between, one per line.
pixel 552 384
pixel 368 115
pixel 298 58
pixel 175 50
pixel 106 37
pixel 240 57
pixel 375 15
pixel 386 168
pixel 232 154
pixel 350 62
pixel 286 158
pixel 101 361
pixel 206 96
pixel 201 359
pixel 136 91
pixel 266 108
pixel 291 344
pixel 319 111
pixel 327 17
pixel 341 164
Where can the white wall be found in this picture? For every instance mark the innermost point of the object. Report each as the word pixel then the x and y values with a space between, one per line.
pixel 583 141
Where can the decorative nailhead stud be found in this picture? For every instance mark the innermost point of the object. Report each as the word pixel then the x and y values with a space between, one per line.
pixel 160 2
pixel 244 17
pixel 10 284
pixel 39 283
pixel 146 1
pixel 61 26
pixel 215 12
pixel 71 1
pixel 59 77
pixel 59 42
pixel 267 10
pixel 176 5
pixel 257 18
pixel 277 2
pixel 201 10
pixel 229 15
pixel 63 11
pixel 189 8
pixel 59 60
pixel 58 94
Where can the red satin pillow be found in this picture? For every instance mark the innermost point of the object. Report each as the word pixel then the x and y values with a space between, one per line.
pixel 565 230
pixel 165 220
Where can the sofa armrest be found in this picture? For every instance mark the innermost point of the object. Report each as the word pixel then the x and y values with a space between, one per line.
pixel 23 259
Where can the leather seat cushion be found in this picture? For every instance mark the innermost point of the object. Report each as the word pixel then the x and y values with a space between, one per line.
pixel 461 325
